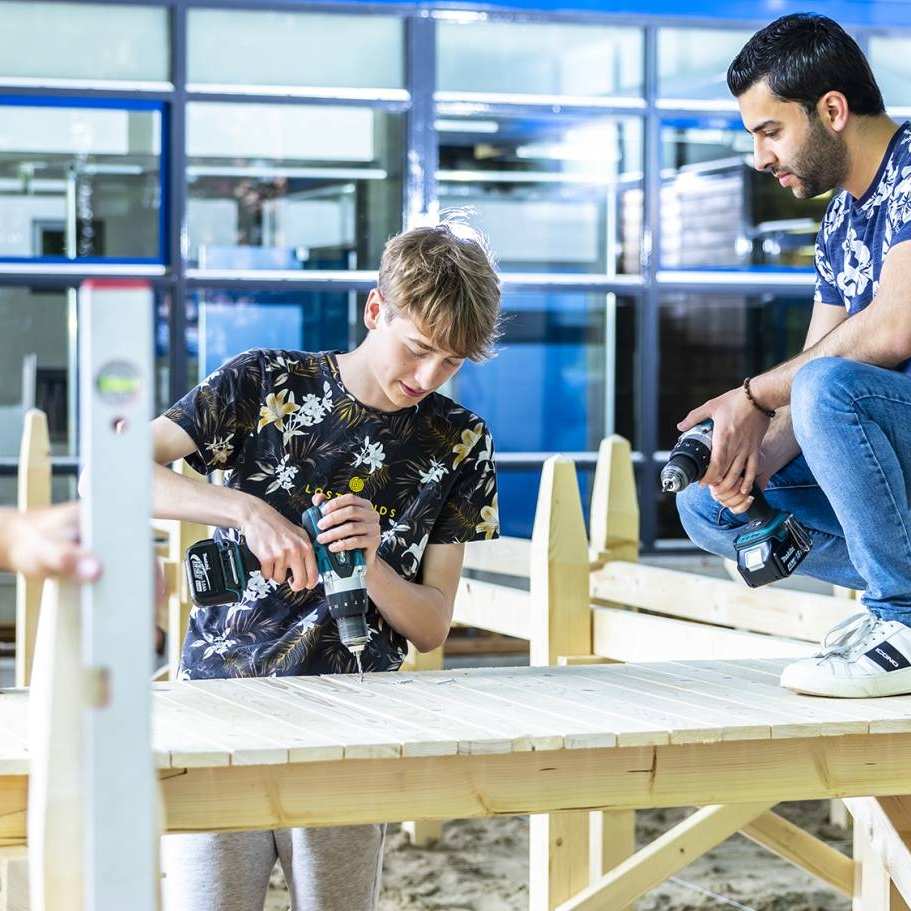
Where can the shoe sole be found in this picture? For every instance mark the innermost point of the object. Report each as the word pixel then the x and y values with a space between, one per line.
pixel 892 683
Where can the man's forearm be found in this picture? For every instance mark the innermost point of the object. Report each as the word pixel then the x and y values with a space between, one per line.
pixel 779 445
pixel 873 336
pixel 418 612
pixel 177 497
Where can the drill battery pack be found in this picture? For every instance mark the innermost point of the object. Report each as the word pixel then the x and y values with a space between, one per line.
pixel 218 571
pixel 771 549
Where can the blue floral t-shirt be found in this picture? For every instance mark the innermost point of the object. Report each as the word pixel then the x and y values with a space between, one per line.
pixel 856 234
pixel 283 427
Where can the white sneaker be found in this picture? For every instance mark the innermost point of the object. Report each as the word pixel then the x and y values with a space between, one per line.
pixel 861 656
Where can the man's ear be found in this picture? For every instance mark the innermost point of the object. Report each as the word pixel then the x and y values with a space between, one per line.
pixel 834 110
pixel 373 309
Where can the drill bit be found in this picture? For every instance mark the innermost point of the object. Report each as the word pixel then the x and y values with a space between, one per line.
pixel 360 667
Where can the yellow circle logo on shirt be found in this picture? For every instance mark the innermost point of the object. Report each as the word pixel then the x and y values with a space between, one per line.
pixel 356 484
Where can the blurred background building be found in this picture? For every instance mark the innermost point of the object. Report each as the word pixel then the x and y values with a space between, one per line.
pixel 251 159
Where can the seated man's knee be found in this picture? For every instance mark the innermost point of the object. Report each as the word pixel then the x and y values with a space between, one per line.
pixel 820 387
pixel 699 514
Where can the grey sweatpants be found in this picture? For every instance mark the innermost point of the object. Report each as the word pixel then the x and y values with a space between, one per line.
pixel 331 869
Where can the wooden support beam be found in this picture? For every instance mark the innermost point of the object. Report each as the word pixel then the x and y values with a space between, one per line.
pixel 624 635
pixel 689 596
pixel 793 844
pixel 612 839
pixel 884 827
pixel 560 625
pixel 505 556
pixel 423 832
pixel 498 608
pixel 182 535
pixel 34 492
pixel 665 856
pixel 874 888
pixel 56 779
pixel 614 507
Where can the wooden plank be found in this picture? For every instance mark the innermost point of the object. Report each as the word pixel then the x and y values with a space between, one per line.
pixel 498 608
pixel 357 727
pixel 612 839
pixel 880 716
pixel 181 536
pixel 874 888
pixel 615 506
pixel 343 696
pixel 56 784
pixel 627 636
pixel 34 492
pixel 694 720
pixel 797 846
pixel 885 825
pixel 502 730
pixel 339 793
pixel 422 661
pixel 560 625
pixel 788 717
pixel 14 879
pixel 506 556
pixel 665 856
pixel 226 728
pixel 776 611
pixel 628 725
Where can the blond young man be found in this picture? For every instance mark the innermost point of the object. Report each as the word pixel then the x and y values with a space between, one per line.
pixel 404 472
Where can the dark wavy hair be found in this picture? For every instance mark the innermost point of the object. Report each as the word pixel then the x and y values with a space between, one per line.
pixel 802 57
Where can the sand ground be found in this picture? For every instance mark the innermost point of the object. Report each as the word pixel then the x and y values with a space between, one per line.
pixel 482 865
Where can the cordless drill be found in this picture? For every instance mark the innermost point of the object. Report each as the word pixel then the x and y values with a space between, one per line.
pixel 218 572
pixel 773 543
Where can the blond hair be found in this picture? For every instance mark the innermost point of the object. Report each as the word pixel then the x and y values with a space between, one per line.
pixel 447 284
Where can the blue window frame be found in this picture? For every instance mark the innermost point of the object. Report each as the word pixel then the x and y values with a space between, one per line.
pixel 81 181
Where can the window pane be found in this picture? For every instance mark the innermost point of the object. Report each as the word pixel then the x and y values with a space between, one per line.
pixel 37 352
pixel 552 194
pixel 538 59
pixel 693 63
pixel 79 182
pixel 890 59
pixel 221 324
pixel 84 41
pixel 553 350
pixel 292 186
pixel 717 210
pixel 708 344
pixel 517 496
pixel 239 47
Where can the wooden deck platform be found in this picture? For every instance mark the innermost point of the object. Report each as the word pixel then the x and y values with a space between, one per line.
pixel 238 754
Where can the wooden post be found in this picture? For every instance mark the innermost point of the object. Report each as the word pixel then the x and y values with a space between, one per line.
pixel 423 832
pixel 561 625
pixel 14 879
pixel 182 535
pixel 614 536
pixel 615 506
pixel 56 778
pixel 874 889
pixel 34 492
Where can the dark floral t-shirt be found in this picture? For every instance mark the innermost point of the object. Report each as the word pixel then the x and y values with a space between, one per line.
pixel 283 427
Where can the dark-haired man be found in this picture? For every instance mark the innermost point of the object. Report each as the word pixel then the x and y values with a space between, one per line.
pixel 828 433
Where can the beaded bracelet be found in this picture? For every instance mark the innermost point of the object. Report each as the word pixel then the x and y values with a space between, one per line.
pixel 768 412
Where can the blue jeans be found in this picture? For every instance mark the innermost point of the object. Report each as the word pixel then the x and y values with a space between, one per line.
pixel 850 487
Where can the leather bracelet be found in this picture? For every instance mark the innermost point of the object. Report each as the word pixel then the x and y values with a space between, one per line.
pixel 768 412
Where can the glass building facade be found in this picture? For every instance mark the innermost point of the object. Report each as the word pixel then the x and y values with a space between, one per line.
pixel 250 160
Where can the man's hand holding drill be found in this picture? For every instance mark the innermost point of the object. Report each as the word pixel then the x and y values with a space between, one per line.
pixel 740 428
